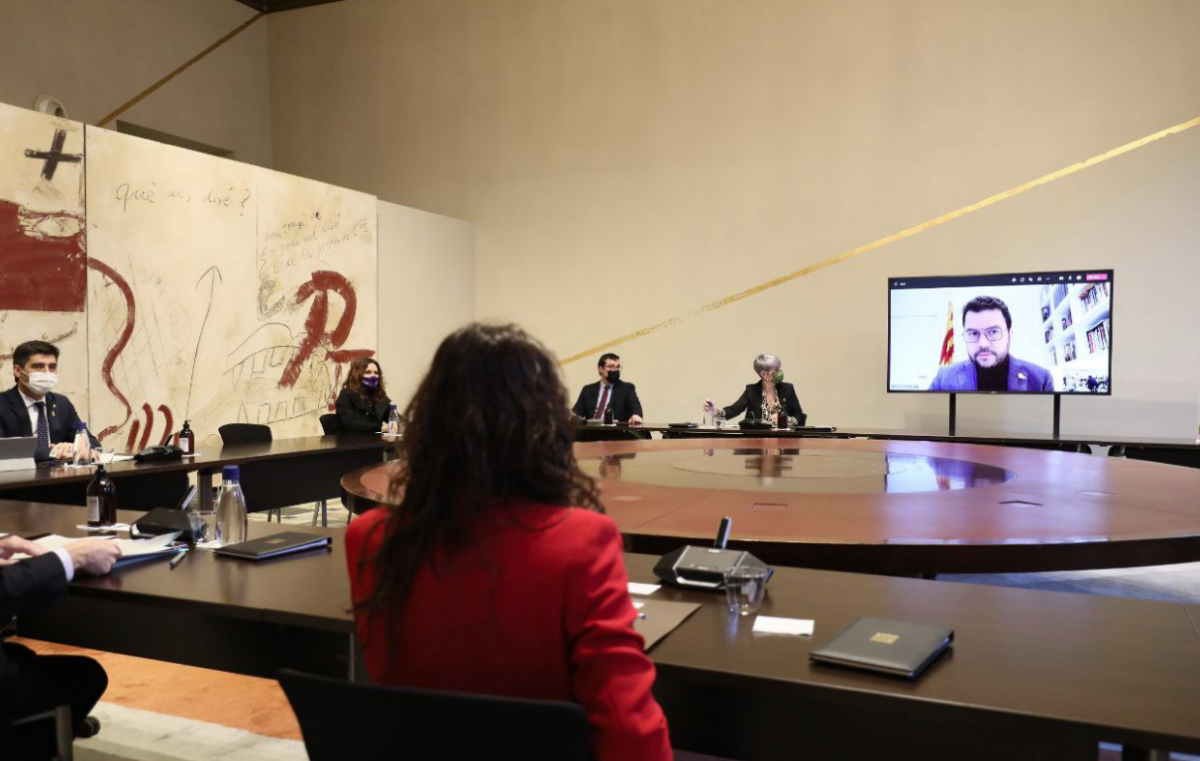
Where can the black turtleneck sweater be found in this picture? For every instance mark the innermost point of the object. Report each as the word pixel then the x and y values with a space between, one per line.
pixel 993 378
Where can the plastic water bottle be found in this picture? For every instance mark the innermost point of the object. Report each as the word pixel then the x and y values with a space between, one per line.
pixel 231 510
pixel 394 422
pixel 83 446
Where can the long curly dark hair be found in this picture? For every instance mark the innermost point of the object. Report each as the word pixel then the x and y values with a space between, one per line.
pixel 355 384
pixel 489 421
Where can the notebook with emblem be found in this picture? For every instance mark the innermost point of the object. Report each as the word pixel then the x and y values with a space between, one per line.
pixel 274 545
pixel 898 648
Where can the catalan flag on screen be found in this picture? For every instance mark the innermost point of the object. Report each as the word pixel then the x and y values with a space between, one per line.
pixel 948 341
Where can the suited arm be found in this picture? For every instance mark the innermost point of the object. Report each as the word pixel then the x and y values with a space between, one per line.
pixel 352 418
pixel 71 424
pixel 610 673
pixel 635 404
pixel 31 584
pixel 737 407
pixel 938 383
pixel 580 409
pixel 794 410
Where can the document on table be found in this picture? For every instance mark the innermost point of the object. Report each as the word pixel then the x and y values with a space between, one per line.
pixel 132 550
pixel 802 627
pixel 658 618
pixel 643 589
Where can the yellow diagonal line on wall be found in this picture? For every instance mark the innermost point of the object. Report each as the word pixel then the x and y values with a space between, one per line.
pixel 1045 179
pixel 187 65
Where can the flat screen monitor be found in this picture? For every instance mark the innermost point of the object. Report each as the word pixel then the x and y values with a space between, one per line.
pixel 1039 333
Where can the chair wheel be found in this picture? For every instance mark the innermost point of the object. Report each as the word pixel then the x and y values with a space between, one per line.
pixel 90 727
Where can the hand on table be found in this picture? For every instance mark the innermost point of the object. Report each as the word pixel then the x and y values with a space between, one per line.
pixel 635 419
pixel 94 556
pixel 12 545
pixel 62 451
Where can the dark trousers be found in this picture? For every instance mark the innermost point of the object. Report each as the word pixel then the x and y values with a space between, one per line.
pixel 36 683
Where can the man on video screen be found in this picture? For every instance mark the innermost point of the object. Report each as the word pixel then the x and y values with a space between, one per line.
pixel 987 331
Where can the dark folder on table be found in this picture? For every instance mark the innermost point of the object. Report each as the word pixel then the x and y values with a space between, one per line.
pixel 658 618
pixel 274 545
pixel 898 648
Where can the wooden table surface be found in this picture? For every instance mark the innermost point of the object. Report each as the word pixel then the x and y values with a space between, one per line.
pixel 906 507
pixel 1033 672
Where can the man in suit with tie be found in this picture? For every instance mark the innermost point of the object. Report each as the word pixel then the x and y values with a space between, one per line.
pixel 30 683
pixel 30 408
pixel 609 391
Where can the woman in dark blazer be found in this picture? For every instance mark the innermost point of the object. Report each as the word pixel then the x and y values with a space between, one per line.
pixel 765 399
pixel 363 405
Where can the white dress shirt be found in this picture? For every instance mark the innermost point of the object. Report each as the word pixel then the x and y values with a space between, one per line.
pixel 32 410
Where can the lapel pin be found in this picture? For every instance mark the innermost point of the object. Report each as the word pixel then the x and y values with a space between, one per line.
pixel 1022 376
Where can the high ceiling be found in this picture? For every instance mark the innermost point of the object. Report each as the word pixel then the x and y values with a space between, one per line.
pixel 274 6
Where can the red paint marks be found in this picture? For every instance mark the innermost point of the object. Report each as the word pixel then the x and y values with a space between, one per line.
pixel 318 289
pixel 132 437
pixel 42 274
pixel 136 428
pixel 118 347
pixel 169 425
pixel 149 425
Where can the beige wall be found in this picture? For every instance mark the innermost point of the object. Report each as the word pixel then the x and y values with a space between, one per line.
pixel 628 162
pixel 96 55
pixel 426 290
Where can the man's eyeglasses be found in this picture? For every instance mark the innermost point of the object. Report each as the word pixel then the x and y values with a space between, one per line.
pixel 971 336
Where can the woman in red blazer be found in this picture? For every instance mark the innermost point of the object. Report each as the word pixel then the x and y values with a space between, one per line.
pixel 497 572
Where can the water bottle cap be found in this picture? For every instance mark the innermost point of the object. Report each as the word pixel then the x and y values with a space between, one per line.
pixel 231 473
pixel 82 426
pixel 392 406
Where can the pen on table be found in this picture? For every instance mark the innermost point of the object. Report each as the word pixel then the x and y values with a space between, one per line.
pixel 178 558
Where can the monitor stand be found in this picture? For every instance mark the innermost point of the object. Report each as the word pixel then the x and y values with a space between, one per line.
pixel 1057 415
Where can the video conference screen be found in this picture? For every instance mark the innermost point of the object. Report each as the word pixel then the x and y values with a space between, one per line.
pixel 1039 333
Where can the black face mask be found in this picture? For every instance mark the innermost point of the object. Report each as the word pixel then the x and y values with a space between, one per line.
pixel 614 376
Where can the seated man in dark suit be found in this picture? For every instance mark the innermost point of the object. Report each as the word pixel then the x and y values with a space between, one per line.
pixel 31 409
pixel 609 391
pixel 32 683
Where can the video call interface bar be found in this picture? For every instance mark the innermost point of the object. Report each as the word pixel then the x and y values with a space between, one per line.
pixel 1036 278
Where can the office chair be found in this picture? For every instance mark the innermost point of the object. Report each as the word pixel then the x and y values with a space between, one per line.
pixel 259 495
pixel 245 433
pixel 330 424
pixel 341 719
pixel 63 737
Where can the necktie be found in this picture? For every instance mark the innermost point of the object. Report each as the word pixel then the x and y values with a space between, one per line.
pixel 603 403
pixel 43 432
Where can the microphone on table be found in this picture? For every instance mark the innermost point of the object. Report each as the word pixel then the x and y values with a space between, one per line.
pixel 704 567
pixel 723 533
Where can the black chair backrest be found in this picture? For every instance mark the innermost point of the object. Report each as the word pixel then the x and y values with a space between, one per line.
pixel 331 424
pixel 341 719
pixel 244 433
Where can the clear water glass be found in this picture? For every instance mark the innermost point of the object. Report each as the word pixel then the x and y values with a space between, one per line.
pixel 745 587
pixel 199 523
pixel 719 418
pixel 81 450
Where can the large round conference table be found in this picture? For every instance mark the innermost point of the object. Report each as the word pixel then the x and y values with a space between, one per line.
pixel 905 507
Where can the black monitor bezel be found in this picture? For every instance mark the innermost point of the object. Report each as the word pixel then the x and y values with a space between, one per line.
pixel 1018 278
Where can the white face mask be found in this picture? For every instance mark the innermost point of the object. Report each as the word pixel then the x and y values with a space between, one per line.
pixel 42 383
